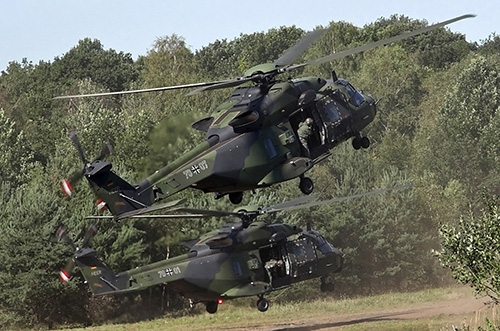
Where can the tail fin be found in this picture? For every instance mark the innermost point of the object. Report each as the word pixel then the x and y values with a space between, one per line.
pixel 115 193
pixel 100 278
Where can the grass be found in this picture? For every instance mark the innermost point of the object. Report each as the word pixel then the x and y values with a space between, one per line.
pixel 377 312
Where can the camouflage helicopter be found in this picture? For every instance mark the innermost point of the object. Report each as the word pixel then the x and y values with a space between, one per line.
pixel 241 259
pixel 273 131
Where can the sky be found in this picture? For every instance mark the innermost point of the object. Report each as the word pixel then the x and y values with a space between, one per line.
pixel 45 29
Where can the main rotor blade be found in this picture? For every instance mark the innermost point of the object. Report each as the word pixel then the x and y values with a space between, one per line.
pixel 375 44
pixel 290 203
pixel 156 89
pixel 178 213
pixel 294 52
pixel 224 84
pixel 336 200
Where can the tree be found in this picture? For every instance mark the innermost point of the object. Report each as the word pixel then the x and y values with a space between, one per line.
pixel 436 49
pixel 490 45
pixel 109 69
pixel 468 121
pixel 30 291
pixel 16 160
pixel 470 249
pixel 223 59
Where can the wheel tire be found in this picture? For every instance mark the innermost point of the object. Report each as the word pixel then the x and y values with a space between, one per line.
pixel 262 305
pixel 327 287
pixel 212 306
pixel 365 142
pixel 356 143
pixel 306 185
pixel 236 197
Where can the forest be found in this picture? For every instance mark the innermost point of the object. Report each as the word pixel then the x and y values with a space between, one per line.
pixel 437 128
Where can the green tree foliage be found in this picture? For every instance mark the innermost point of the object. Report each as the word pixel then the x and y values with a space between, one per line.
pixel 30 291
pixel 436 49
pixel 465 137
pixel 227 59
pixel 491 45
pixel 339 36
pixel 16 160
pixel 470 249
pixel 89 60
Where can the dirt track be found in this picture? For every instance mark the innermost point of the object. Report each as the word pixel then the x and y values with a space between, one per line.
pixel 457 310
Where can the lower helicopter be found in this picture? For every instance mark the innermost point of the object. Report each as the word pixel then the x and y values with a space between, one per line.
pixel 241 259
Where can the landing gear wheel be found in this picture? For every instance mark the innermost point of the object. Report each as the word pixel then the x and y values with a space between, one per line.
pixel 327 284
pixel 262 304
pixel 236 197
pixel 212 306
pixel 365 142
pixel 306 185
pixel 327 287
pixel 356 143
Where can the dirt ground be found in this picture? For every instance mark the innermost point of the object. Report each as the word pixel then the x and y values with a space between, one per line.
pixel 455 310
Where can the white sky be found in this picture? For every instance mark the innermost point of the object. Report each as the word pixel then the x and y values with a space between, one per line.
pixel 43 29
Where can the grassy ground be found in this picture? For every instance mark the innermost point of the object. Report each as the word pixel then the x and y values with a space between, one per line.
pixel 424 310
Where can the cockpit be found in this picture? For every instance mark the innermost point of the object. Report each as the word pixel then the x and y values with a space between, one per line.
pixel 353 96
pixel 321 244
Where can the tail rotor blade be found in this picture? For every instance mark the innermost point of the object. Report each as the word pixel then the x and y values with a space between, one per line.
pixel 78 146
pixel 89 234
pixel 68 184
pixel 65 274
pixel 62 235
pixel 106 149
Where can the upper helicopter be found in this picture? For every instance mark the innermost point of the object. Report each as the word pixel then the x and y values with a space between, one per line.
pixel 265 133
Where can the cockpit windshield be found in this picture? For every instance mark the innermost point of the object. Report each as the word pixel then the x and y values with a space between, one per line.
pixel 355 97
pixel 324 246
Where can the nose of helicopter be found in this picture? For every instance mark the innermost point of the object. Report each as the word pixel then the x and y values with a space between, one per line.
pixel 335 259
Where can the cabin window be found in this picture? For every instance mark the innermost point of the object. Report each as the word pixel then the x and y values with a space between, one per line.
pixel 238 272
pixel 271 150
pixel 331 109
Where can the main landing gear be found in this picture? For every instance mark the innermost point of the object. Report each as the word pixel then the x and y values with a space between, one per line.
pixel 360 142
pixel 211 306
pixel 262 304
pixel 306 185
pixel 234 197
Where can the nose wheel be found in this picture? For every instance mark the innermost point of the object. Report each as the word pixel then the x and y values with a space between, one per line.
pixel 306 185
pixel 262 304
pixel 360 142
pixel 327 284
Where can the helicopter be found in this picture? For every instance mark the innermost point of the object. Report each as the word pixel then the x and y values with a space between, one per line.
pixel 270 132
pixel 241 259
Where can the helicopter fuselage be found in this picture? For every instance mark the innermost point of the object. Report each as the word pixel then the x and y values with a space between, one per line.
pixel 228 263
pixel 252 139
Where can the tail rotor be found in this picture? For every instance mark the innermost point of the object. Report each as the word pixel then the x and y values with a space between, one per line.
pixel 62 234
pixel 68 184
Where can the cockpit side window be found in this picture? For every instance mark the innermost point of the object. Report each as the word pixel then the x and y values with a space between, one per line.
pixel 355 98
pixel 245 122
pixel 323 246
